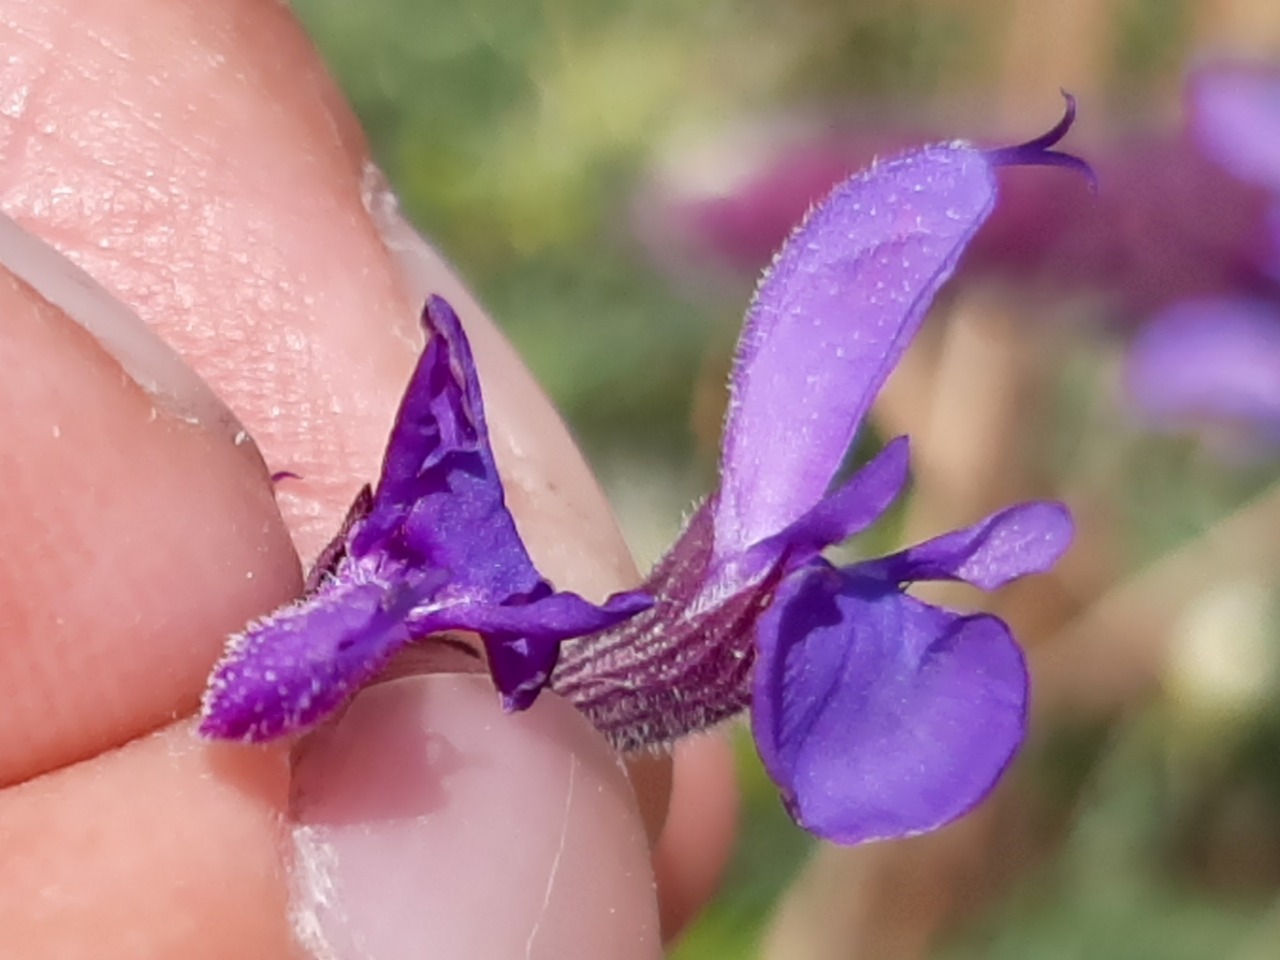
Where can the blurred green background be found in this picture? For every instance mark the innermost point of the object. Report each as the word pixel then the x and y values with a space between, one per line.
pixel 524 137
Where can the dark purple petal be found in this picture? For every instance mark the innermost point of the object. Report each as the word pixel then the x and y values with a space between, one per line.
pixel 440 506
pixel 439 503
pixel 1019 540
pixel 520 667
pixel 288 670
pixel 1209 359
pixel 550 616
pixel 829 322
pixel 877 715
pixel 1235 116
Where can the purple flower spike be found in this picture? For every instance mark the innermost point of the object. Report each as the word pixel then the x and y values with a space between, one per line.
pixel 432 549
pixel 877 715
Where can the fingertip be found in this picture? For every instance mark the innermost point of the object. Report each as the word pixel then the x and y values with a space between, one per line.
pixel 701 829
pixel 428 819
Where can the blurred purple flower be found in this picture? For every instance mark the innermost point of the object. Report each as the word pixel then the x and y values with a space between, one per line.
pixel 877 714
pixel 734 200
pixel 1186 224
pixel 1235 113
pixel 1170 222
pixel 432 549
pixel 1214 360
pixel 1210 359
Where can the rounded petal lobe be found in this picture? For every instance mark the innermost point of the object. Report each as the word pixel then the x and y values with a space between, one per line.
pixel 1018 541
pixel 1211 358
pixel 830 319
pixel 878 715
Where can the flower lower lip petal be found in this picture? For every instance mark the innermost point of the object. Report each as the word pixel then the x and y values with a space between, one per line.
pixel 879 715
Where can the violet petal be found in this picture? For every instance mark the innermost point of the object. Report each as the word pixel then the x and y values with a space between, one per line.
pixel 829 321
pixel 1207 359
pixel 1017 541
pixel 289 669
pixel 878 715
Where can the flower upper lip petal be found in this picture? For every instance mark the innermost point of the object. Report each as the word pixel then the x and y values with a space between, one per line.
pixel 830 320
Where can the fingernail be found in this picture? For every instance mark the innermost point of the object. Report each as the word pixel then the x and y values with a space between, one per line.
pixel 143 355
pixel 429 823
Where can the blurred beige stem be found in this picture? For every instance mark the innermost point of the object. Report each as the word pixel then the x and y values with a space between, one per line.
pixel 977 413
pixel 964 405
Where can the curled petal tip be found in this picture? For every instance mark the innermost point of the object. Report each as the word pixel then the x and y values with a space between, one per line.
pixel 1039 152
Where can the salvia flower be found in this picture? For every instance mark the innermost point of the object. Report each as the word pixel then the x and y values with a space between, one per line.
pixel 431 549
pixel 877 714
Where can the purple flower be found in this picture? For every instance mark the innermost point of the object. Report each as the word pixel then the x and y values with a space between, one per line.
pixel 432 549
pixel 1216 359
pixel 1212 359
pixel 1236 117
pixel 877 714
